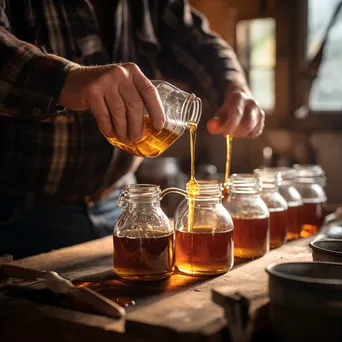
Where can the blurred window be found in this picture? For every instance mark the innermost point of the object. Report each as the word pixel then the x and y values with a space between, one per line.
pixel 326 94
pixel 256 51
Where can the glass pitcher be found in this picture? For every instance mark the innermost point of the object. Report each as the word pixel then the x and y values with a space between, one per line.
pixel 143 236
pixel 180 108
pixel 250 216
pixel 206 247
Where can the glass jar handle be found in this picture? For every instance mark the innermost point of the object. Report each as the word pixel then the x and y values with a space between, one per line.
pixel 172 190
pixel 122 202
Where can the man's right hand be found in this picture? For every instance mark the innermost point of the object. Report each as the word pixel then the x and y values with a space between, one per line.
pixel 116 95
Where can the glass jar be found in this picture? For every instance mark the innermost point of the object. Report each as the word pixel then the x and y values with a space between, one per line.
pixel 250 216
pixel 166 173
pixel 287 188
pixel 180 108
pixel 310 182
pixel 143 237
pixel 332 226
pixel 206 247
pixel 316 170
pixel 276 205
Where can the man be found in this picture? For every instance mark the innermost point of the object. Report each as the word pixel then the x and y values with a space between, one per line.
pixel 61 81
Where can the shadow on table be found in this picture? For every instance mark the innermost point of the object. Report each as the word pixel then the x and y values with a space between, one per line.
pixel 130 295
pixel 107 283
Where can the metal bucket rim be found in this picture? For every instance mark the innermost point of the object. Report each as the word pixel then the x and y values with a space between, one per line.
pixel 272 270
pixel 314 245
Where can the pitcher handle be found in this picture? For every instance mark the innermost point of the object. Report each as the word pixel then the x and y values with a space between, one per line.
pixel 173 190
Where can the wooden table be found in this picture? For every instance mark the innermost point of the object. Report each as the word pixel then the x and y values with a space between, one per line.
pixel 172 310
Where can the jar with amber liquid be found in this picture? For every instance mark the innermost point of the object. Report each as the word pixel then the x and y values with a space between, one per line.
pixel 143 237
pixel 250 216
pixel 181 110
pixel 287 188
pixel 276 204
pixel 204 234
pixel 310 182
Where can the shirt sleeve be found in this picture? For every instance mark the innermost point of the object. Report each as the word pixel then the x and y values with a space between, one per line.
pixel 30 80
pixel 191 53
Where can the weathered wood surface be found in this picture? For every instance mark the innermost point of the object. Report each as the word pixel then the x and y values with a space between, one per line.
pixel 195 309
pixel 168 310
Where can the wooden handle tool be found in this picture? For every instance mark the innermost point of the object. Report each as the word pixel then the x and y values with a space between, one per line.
pixel 61 285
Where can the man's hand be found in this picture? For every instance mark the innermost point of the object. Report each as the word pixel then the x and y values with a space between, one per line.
pixel 116 95
pixel 239 115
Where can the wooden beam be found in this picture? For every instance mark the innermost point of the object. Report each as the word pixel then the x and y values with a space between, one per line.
pixel 284 54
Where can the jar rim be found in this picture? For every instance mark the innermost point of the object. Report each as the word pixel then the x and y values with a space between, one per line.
pixel 205 188
pixel 192 110
pixel 192 106
pixel 140 191
pixel 305 171
pixel 285 172
pixel 244 183
pixel 268 179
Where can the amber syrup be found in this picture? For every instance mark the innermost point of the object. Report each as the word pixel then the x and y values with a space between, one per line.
pixel 251 236
pixel 144 259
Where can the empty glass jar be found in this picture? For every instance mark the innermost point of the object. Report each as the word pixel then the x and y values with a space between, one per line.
pixel 180 110
pixel 250 216
pixel 143 237
pixel 276 205
pixel 310 182
pixel 204 243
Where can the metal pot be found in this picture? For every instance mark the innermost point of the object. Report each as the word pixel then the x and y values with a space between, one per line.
pixel 306 301
pixel 329 250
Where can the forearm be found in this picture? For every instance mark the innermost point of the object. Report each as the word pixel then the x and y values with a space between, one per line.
pixel 30 79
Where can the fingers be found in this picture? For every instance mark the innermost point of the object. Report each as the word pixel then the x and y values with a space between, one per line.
pixel 249 120
pixel 232 112
pixel 151 99
pixel 117 109
pixel 214 126
pixel 134 107
pixel 122 92
pixel 117 95
pixel 239 116
pixel 99 108
pixel 258 129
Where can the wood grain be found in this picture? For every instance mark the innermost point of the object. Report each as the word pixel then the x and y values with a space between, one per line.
pixel 178 308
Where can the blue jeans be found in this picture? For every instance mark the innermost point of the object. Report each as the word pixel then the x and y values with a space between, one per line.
pixel 29 231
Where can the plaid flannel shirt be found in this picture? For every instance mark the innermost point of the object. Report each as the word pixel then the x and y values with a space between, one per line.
pixel 65 156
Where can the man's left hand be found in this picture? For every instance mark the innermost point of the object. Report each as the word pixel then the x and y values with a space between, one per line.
pixel 239 116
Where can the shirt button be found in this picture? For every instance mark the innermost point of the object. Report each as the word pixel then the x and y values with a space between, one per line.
pixel 37 112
